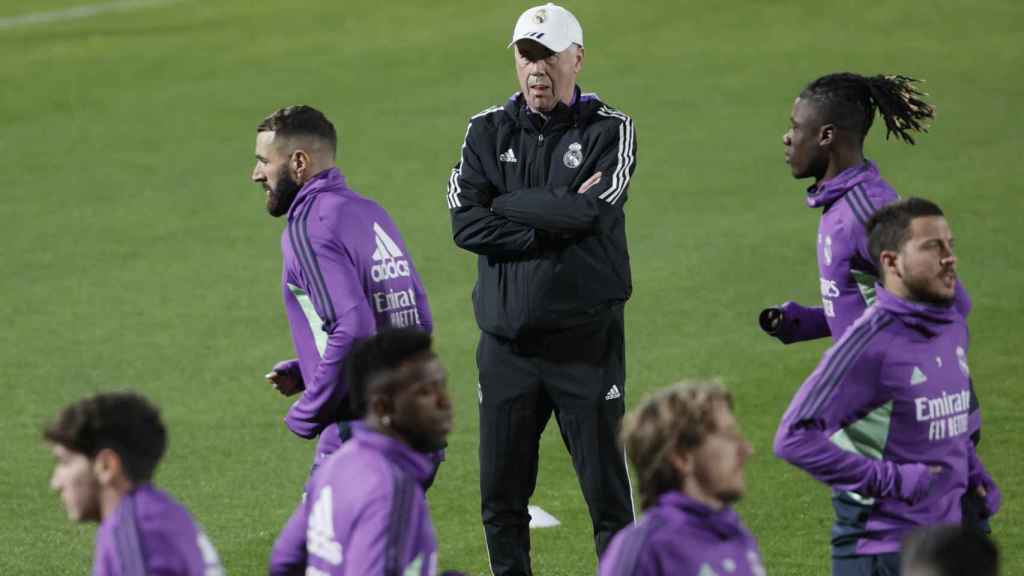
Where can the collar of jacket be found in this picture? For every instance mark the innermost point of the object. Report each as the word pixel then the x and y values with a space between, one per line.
pixel 330 180
pixel 827 192
pixel 562 114
pixel 413 463
pixel 724 522
pixel 927 318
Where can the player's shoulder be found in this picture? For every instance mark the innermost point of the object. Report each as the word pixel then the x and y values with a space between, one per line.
pixel 487 123
pixel 600 112
pixel 158 511
pixel 868 196
pixel 341 212
pixel 355 466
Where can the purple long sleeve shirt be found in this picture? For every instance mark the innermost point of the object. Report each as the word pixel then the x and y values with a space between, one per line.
pixel 680 535
pixel 902 369
pixel 347 273
pixel 847 273
pixel 150 534
pixel 365 514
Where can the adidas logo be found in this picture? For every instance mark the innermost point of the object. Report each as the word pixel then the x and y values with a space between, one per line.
pixel 391 261
pixel 320 539
pixel 508 156
pixel 917 377
pixel 613 393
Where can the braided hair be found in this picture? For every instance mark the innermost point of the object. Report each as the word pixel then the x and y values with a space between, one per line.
pixel 850 100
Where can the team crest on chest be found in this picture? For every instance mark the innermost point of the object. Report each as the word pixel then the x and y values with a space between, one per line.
pixel 961 359
pixel 573 156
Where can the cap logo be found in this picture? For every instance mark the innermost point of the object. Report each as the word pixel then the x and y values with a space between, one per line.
pixel 540 16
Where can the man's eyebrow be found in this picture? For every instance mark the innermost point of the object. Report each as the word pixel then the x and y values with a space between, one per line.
pixel 261 158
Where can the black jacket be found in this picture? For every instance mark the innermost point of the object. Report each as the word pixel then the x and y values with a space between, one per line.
pixel 549 258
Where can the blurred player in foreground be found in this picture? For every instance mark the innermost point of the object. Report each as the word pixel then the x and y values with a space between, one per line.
pixel 904 360
pixel 346 271
pixel 365 513
pixel 107 447
pixel 949 551
pixel 689 455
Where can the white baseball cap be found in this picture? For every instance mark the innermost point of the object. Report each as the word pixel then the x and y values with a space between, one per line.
pixel 551 25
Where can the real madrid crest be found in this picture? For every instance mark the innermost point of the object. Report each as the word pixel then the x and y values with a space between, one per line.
pixel 573 156
pixel 540 16
pixel 961 358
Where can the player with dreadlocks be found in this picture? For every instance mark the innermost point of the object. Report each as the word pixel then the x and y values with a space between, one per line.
pixel 829 122
pixel 825 141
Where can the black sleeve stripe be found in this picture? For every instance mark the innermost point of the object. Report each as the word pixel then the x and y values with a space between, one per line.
pixel 846 352
pixel 856 207
pixel 298 235
pixel 399 529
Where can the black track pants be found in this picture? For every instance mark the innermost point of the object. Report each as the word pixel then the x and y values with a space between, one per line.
pixel 579 376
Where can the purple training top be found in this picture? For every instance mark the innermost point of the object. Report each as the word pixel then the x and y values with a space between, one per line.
pixel 889 400
pixel 680 535
pixel 365 514
pixel 847 273
pixel 150 534
pixel 347 273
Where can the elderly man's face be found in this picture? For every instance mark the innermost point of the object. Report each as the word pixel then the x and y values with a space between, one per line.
pixel 546 77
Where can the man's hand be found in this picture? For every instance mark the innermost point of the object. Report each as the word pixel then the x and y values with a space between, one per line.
pixel 286 378
pixel 590 183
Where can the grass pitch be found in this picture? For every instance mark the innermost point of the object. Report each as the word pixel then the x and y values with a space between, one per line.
pixel 137 254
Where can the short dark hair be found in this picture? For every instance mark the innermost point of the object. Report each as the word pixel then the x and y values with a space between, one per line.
pixel 850 100
pixel 380 353
pixel 124 422
pixel 300 121
pixel 951 551
pixel 889 227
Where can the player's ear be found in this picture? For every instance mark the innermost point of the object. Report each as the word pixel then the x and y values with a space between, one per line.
pixel 887 264
pixel 826 135
pixel 107 467
pixel 682 462
pixel 578 64
pixel 299 165
pixel 381 405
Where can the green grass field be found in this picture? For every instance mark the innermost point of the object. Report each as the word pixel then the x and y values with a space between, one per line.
pixel 136 253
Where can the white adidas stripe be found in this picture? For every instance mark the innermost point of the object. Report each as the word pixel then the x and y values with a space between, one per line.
pixel 453 181
pixel 621 175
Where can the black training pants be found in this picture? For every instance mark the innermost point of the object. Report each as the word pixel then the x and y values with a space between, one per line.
pixel 579 376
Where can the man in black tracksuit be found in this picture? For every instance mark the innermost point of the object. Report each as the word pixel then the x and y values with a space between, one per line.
pixel 538 195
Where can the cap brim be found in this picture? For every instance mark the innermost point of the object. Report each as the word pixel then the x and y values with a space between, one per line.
pixel 547 45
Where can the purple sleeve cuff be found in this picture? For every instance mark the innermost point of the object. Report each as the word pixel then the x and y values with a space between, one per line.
pixel 795 323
